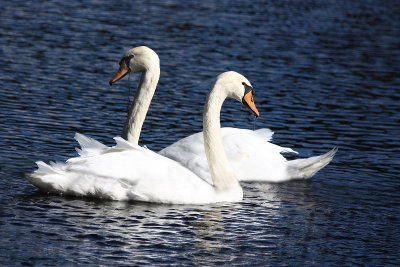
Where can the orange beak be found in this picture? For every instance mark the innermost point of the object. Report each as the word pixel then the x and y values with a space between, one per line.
pixel 248 101
pixel 122 71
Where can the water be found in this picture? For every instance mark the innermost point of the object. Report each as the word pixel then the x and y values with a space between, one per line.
pixel 325 73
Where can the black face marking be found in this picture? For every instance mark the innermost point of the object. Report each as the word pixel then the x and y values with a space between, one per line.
pixel 126 60
pixel 247 88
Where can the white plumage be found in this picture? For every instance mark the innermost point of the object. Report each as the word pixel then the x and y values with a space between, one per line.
pixel 252 157
pixel 180 173
pixel 127 171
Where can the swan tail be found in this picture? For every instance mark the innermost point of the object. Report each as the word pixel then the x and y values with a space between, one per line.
pixel 44 177
pixel 306 168
pixel 55 178
pixel 86 175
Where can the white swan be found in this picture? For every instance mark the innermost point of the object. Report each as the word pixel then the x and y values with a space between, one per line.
pixel 250 154
pixel 252 157
pixel 130 172
pixel 145 60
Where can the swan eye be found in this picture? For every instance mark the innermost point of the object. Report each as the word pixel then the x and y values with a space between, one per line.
pixel 127 60
pixel 247 88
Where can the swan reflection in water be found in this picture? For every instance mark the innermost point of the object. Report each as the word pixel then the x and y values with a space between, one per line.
pixel 136 228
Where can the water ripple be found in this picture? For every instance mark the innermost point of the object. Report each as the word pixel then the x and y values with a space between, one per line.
pixel 325 73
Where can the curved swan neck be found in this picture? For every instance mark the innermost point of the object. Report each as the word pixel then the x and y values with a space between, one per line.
pixel 138 110
pixel 220 169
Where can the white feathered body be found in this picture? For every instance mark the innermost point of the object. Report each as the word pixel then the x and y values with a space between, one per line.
pixel 250 154
pixel 126 172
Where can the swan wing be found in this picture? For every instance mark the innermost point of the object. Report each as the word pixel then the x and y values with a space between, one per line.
pixel 250 154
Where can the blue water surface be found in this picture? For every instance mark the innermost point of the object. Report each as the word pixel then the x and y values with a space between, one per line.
pixel 326 74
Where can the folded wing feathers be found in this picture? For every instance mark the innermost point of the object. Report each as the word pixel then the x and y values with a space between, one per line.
pixel 89 146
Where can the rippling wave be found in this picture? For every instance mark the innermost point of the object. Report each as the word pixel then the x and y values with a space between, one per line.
pixel 326 74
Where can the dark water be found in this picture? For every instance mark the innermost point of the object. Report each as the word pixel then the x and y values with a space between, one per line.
pixel 326 74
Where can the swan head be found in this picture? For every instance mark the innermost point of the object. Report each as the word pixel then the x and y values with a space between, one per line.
pixel 238 87
pixel 138 59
